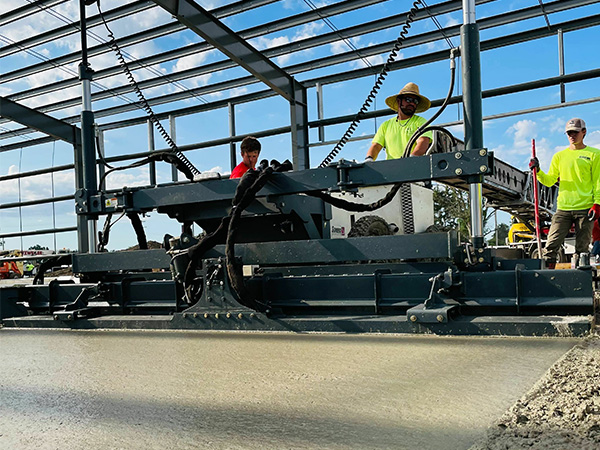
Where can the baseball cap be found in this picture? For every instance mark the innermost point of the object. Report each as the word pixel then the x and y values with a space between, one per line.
pixel 575 125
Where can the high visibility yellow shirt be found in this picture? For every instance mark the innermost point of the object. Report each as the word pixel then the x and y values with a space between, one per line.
pixel 394 135
pixel 579 174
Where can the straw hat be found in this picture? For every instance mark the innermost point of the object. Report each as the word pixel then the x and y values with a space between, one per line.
pixel 409 89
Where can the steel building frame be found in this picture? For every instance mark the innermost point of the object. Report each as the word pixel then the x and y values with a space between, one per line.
pixel 12 124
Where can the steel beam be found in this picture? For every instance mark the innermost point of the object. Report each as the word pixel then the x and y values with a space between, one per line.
pixel 42 201
pixel 27 10
pixel 485 45
pixel 152 33
pixel 322 62
pixel 343 175
pixel 57 33
pixel 321 39
pixel 314 41
pixel 204 24
pixel 39 121
pixel 37 232
pixel 135 38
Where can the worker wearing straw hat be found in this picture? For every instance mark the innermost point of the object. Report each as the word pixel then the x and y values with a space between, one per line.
pixel 394 134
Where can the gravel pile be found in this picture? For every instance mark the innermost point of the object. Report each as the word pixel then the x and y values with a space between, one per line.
pixel 562 411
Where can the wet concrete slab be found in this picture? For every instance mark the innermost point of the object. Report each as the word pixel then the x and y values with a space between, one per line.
pixel 187 390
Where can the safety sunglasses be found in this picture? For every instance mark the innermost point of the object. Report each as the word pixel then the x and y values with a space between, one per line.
pixel 413 100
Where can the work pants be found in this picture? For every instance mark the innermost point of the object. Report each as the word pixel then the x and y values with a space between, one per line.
pixel 561 224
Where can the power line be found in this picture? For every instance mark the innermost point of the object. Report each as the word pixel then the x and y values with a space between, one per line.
pixel 437 24
pixel 330 24
pixel 99 39
pixel 545 15
pixel 58 66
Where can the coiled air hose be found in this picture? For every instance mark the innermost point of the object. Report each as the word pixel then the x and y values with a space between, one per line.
pixel 378 82
pixel 174 156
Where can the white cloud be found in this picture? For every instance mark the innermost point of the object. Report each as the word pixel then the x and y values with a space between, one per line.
pixel 451 22
pixel 132 177
pixel 519 152
pixel 342 46
pixel 304 32
pixel 555 124
pixel 190 61
pixel 261 43
pixel 39 186
pixel 523 131
pixel 373 60
pixel 593 139
pixel 235 92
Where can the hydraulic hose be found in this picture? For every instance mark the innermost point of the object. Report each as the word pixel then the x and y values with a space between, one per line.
pixel 422 128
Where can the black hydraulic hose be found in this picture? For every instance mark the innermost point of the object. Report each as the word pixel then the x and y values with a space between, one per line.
pixel 48 264
pixel 380 78
pixel 357 207
pixel 248 186
pixel 136 222
pixel 421 129
pixel 442 130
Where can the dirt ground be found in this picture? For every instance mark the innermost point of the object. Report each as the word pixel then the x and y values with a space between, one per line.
pixel 562 410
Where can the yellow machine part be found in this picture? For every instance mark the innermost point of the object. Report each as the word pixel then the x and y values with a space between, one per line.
pixel 519 232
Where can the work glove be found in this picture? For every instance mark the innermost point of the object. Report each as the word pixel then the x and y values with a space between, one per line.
pixel 369 159
pixel 594 212
pixel 534 163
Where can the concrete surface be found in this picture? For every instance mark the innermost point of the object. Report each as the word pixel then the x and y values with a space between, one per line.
pixel 187 390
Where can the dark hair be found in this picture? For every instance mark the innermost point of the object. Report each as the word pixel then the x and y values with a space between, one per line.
pixel 250 144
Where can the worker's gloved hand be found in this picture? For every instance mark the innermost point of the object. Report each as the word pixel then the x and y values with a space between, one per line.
pixel 594 212
pixel 534 163
pixel 369 159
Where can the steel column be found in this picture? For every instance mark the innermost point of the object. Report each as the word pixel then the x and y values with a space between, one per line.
pixel 173 133
pixel 471 74
pixel 87 164
pixel 299 124
pixel 319 87
pixel 561 63
pixel 151 148
pixel 232 150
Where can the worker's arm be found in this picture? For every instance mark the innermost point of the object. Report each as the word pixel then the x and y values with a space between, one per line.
pixel 596 178
pixel 421 146
pixel 374 150
pixel 548 179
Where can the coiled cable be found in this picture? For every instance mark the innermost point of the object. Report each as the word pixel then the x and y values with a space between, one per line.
pixel 378 83
pixel 190 170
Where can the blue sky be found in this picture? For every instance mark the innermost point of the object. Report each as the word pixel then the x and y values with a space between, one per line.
pixel 509 137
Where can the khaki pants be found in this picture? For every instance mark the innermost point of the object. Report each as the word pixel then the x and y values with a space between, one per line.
pixel 561 224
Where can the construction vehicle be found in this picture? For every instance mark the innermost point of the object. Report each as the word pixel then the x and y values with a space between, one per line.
pixel 9 269
pixel 285 271
pixel 521 235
